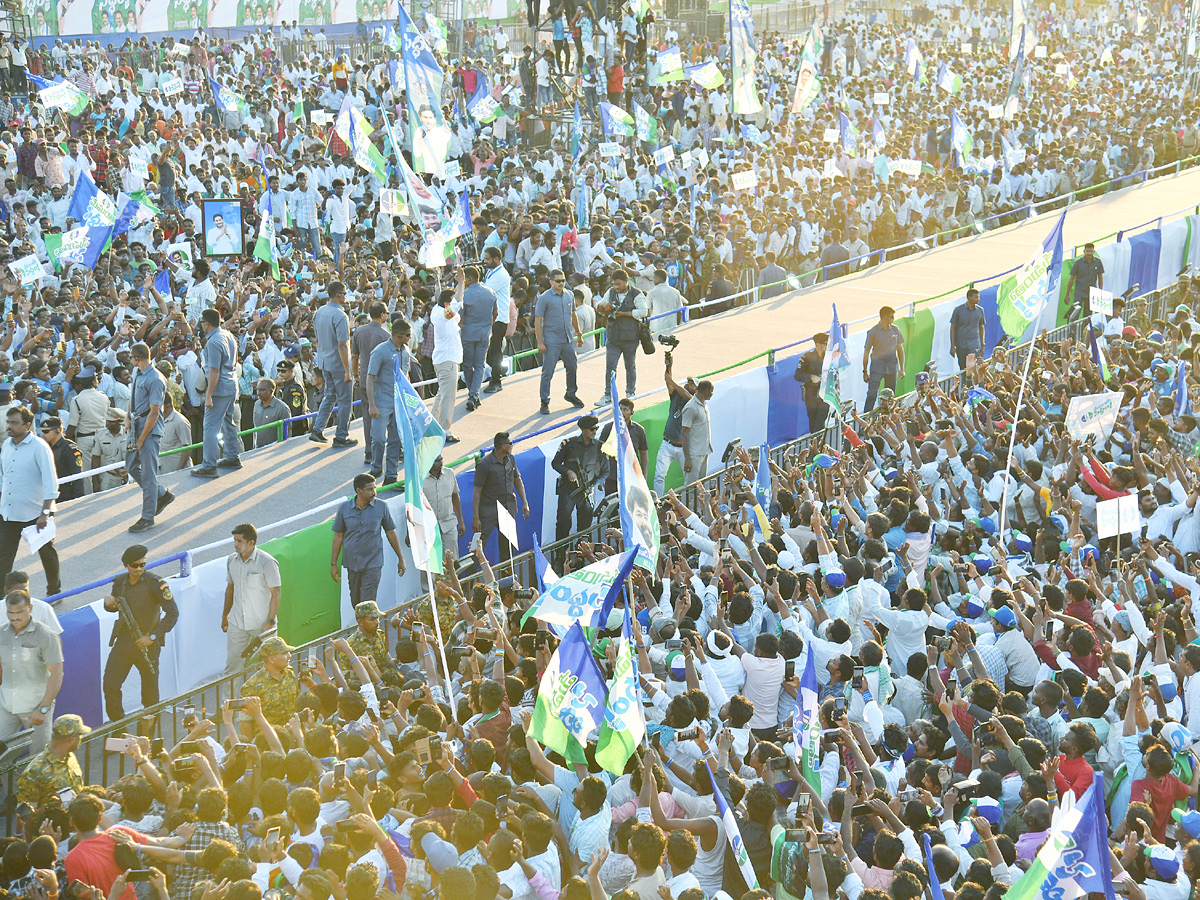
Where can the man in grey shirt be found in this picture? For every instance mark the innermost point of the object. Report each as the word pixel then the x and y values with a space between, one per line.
pixel 356 539
pixel 478 314
pixel 219 357
pixel 966 329
pixel 333 359
pixel 367 337
pixel 32 661
pixel 883 357
pixel 147 394
pixel 557 331
pixel 268 409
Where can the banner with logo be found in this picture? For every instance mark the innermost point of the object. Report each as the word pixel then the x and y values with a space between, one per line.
pixel 1093 416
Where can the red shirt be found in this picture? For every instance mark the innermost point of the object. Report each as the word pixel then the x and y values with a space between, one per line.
pixel 1074 775
pixel 93 862
pixel 1163 793
pixel 616 80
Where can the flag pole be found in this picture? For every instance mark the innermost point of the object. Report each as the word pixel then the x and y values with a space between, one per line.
pixel 437 626
pixel 1012 438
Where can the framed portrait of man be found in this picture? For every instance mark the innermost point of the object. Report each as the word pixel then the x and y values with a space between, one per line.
pixel 222 226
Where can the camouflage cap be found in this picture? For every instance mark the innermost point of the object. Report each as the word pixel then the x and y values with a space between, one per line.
pixel 367 609
pixel 273 645
pixel 67 726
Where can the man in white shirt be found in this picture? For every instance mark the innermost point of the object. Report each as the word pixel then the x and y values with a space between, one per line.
pixel 500 283
pixel 337 209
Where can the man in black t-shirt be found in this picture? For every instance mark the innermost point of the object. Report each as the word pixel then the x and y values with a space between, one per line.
pixel 1086 273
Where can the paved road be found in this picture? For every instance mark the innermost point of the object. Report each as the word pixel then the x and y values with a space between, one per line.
pixel 280 482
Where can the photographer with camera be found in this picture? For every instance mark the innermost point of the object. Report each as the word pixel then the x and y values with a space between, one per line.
pixel 624 308
pixel 678 396
pixel 581 466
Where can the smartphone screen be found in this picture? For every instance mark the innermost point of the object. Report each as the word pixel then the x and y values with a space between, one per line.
pixel 273 836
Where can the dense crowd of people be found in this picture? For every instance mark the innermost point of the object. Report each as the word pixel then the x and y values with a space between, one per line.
pixel 980 644
pixel 979 650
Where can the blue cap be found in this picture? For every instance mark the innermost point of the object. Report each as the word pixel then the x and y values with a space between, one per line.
pixel 1089 551
pixel 1165 863
pixel 975 607
pixel 1189 819
pixel 1005 617
pixel 983 562
pixel 987 525
pixel 1023 541
pixel 989 808
pixel 1122 619
pixel 890 473
pixel 835 578
pixel 1059 521
pixel 676 665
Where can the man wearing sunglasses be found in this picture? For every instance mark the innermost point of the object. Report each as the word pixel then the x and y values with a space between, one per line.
pixel 149 603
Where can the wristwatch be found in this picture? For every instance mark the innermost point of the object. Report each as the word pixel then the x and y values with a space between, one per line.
pixel 44 710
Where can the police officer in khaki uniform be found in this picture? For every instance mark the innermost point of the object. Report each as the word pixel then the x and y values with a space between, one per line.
pixel 55 768
pixel 154 612
pixel 110 448
pixel 275 684
pixel 86 415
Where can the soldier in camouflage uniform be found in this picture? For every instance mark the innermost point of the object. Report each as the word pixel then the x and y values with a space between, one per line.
pixel 275 684
pixel 55 768
pixel 371 640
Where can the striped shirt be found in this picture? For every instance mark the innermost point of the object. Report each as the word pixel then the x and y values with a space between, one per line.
pixel 303 206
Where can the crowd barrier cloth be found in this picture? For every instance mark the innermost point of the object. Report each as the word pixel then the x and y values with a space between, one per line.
pixel 762 403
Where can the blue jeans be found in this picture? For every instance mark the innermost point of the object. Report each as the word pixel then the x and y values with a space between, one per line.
pixel 385 436
pixel 554 352
pixel 613 351
pixel 338 240
pixel 474 353
pixel 219 419
pixel 543 93
pixel 312 236
pixel 337 390
pixel 142 466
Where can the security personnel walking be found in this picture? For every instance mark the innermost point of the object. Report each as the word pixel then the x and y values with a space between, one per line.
pixel 145 430
pixel 154 613
pixel 67 458
pixel 581 466
pixel 808 373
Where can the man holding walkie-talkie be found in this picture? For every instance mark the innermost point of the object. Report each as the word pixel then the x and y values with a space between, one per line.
pixel 147 611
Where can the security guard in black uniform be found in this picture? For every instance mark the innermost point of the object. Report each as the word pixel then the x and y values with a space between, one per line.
pixel 154 613
pixel 581 466
pixel 808 373
pixel 68 460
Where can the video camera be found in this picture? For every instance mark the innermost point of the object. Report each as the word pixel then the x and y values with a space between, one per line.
pixel 669 341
